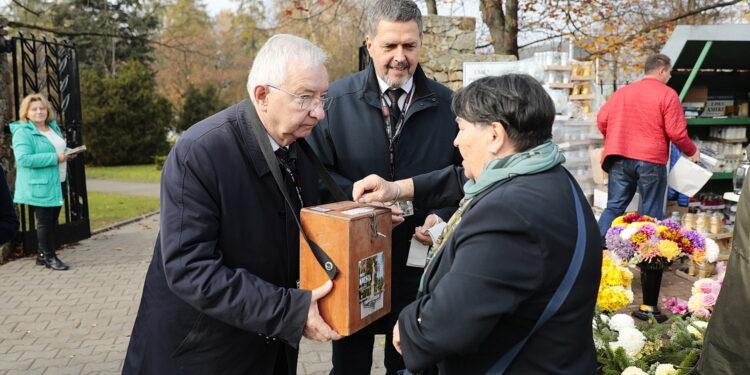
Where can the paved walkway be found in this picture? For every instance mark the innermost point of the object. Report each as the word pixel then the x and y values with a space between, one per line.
pixel 79 321
pixel 146 189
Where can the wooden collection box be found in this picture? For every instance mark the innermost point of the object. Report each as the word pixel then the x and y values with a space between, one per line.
pixel 357 237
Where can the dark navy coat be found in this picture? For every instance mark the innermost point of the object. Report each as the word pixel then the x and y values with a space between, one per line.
pixel 219 295
pixel 352 142
pixel 495 275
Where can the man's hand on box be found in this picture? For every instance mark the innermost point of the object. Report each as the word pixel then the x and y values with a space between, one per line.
pixel 315 327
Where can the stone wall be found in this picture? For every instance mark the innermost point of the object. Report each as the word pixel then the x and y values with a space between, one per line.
pixel 6 115
pixel 449 42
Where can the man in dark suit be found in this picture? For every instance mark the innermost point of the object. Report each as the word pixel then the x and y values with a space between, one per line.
pixel 391 120
pixel 220 294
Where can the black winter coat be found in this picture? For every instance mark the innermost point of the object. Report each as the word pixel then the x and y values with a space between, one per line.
pixel 352 143
pixel 219 295
pixel 495 275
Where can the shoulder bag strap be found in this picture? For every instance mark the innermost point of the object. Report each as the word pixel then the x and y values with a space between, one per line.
pixel 273 164
pixel 560 294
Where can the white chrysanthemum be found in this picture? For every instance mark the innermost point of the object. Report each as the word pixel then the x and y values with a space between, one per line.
pixel 712 250
pixel 631 340
pixel 632 370
pixel 604 318
pixel 627 233
pixel 665 369
pixel 619 321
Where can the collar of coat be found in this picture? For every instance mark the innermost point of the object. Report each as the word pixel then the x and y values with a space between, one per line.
pixel 245 114
pixel 371 90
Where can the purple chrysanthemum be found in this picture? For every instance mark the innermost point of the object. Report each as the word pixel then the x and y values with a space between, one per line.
pixel 695 238
pixel 648 229
pixel 622 249
pixel 613 234
pixel 671 223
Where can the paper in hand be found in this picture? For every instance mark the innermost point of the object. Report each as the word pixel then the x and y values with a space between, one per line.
pixel 77 150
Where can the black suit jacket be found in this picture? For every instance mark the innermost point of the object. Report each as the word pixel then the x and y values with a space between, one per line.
pixel 219 295
pixel 352 143
pixel 495 275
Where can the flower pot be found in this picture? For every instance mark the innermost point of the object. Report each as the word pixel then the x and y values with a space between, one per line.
pixel 650 286
pixel 705 269
pixel 691 268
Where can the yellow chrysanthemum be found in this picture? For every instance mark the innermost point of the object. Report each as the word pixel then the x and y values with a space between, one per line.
pixel 613 298
pixel 626 276
pixel 638 238
pixel 618 221
pixel 668 249
pixel 613 278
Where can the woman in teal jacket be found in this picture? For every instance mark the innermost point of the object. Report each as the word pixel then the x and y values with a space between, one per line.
pixel 41 167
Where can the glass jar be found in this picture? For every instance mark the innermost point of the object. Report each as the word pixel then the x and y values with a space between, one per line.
pixel 701 223
pixel 715 223
pixel 739 175
pixel 688 221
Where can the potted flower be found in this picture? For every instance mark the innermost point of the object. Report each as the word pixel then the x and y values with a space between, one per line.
pixel 652 245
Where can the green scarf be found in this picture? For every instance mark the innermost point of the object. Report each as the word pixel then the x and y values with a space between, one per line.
pixel 534 160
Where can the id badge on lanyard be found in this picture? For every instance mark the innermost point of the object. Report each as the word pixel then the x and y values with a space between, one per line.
pixel 393 134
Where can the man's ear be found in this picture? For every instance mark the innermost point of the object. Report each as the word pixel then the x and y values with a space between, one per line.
pixel 260 96
pixel 368 44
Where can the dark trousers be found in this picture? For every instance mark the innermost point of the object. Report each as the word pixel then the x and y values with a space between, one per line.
pixel 46 226
pixel 352 355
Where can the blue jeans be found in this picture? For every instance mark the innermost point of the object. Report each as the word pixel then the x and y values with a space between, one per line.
pixel 625 175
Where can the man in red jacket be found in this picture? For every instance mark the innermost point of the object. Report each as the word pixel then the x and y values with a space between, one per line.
pixel 638 122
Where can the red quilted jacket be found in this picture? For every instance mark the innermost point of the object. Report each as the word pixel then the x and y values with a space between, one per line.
pixel 640 119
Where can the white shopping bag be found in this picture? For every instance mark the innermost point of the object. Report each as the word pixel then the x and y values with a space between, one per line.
pixel 687 177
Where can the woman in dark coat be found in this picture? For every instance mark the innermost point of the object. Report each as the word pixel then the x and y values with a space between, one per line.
pixel 504 254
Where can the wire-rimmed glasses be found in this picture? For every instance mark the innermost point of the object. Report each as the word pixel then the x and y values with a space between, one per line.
pixel 308 102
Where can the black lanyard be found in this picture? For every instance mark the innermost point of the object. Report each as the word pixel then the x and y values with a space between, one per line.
pixel 399 126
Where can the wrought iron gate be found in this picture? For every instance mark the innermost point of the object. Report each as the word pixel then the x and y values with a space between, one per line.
pixel 50 67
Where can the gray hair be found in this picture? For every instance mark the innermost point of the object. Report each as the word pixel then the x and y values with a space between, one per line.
pixel 657 61
pixel 274 58
pixel 393 10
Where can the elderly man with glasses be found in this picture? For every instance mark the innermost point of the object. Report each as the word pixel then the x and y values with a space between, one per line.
pixel 220 295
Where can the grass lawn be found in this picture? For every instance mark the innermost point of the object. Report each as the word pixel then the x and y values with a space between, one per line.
pixel 146 172
pixel 106 209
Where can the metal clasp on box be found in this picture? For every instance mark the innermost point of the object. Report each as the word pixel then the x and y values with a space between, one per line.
pixel 374 227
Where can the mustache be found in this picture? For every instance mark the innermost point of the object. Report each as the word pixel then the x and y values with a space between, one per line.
pixel 402 65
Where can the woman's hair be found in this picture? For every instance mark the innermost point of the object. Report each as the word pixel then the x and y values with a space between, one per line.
pixel 517 101
pixel 26 105
pixel 277 55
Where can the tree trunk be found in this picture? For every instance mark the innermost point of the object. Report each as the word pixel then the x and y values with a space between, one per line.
pixel 431 7
pixel 503 24
pixel 511 28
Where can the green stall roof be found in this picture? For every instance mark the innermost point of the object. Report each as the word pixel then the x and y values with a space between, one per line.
pixel 730 49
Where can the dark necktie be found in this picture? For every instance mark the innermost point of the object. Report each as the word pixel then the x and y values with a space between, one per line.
pixel 289 169
pixel 394 110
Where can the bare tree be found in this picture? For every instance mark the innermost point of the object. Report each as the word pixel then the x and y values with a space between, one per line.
pixel 503 24
pixel 431 7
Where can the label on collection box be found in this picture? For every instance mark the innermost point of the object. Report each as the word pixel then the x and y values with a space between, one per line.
pixel 371 284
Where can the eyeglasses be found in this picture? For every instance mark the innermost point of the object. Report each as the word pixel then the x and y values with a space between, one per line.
pixel 308 102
